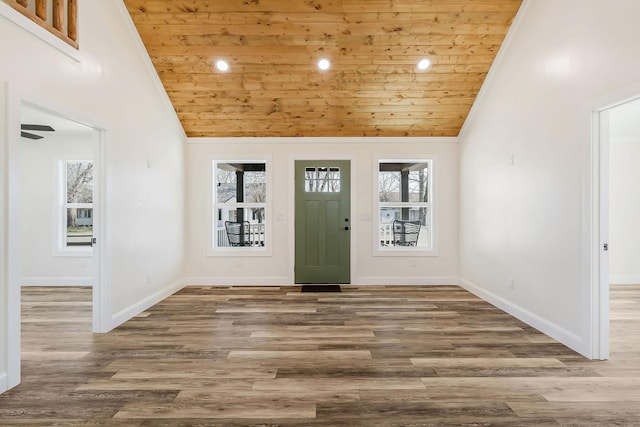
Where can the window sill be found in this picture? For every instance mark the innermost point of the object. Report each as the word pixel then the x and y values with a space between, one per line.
pixel 240 252
pixel 405 252
pixel 77 253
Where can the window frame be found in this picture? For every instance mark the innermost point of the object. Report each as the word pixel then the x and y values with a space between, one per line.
pixel 431 205
pixel 61 249
pixel 212 216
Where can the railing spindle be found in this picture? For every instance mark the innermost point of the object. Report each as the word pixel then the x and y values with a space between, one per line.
pixel 41 9
pixel 58 14
pixel 72 16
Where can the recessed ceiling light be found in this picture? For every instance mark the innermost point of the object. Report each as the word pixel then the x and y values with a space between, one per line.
pixel 423 64
pixel 222 65
pixel 324 64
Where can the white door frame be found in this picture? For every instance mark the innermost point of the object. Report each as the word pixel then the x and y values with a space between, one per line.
pixel 600 235
pixel 292 211
pixel 16 99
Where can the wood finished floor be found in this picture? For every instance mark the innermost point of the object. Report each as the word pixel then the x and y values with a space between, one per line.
pixel 369 356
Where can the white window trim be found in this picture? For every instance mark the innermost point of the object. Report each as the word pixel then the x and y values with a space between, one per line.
pixel 212 210
pixel 60 248
pixel 432 205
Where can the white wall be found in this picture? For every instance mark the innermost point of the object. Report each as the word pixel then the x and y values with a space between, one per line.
pixel 39 193
pixel 4 288
pixel 530 220
pixel 111 86
pixel 367 269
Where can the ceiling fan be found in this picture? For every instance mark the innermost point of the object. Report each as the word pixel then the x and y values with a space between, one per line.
pixel 37 128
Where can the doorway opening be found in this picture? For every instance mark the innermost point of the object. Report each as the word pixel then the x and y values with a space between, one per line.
pixel 619 150
pixel 55 230
pixel 616 229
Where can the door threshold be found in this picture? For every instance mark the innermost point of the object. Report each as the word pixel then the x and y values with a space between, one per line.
pixel 320 288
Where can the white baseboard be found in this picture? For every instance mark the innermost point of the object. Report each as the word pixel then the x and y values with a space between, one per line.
pixel 556 332
pixel 137 308
pixel 238 281
pixel 624 280
pixel 4 385
pixel 286 281
pixel 408 281
pixel 56 281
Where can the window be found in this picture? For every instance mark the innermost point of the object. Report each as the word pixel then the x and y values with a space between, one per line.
pixel 75 231
pixel 404 207
pixel 239 206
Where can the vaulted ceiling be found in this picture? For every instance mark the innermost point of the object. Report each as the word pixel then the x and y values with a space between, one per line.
pixel 273 87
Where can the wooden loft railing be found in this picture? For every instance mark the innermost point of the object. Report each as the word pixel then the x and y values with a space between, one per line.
pixel 67 30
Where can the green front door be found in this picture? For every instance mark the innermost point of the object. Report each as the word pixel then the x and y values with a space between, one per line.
pixel 323 225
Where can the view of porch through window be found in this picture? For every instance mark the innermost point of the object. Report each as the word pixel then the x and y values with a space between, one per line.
pixel 404 200
pixel 240 199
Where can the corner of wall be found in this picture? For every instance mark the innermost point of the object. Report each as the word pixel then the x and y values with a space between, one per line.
pixel 144 56
pixel 554 331
pixel 3 382
pixel 504 47
pixel 144 304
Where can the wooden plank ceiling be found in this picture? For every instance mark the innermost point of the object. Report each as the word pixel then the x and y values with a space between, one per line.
pixel 273 87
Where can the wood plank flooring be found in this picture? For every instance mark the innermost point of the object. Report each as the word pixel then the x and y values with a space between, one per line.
pixel 369 356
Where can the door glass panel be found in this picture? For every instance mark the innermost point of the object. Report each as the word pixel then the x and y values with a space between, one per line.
pixel 322 180
pixel 310 179
pixel 333 177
